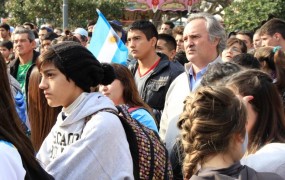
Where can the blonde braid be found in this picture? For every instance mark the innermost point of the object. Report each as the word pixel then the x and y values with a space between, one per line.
pixel 209 119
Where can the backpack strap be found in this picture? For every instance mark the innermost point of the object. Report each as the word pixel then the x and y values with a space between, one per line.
pixel 132 109
pixel 89 117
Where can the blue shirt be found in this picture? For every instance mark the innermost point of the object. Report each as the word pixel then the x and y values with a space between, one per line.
pixel 195 82
pixel 144 117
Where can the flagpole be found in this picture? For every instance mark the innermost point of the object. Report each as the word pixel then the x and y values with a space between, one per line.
pixel 65 14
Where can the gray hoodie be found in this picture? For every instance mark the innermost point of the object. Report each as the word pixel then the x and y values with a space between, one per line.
pixel 94 149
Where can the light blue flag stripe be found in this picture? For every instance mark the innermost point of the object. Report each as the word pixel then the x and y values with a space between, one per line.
pixel 99 36
pixel 121 54
pixel 99 43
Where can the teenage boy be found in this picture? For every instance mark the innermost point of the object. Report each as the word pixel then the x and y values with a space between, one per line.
pixel 5 34
pixel 6 49
pixel 166 44
pixel 153 72
pixel 272 33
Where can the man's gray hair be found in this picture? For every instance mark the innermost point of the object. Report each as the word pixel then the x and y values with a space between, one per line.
pixel 214 28
pixel 22 30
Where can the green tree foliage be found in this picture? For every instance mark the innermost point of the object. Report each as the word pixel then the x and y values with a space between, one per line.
pixel 2 8
pixel 250 14
pixel 214 6
pixel 79 11
pixel 15 8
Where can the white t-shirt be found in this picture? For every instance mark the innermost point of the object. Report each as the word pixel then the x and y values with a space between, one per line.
pixel 11 166
pixel 140 81
pixel 270 158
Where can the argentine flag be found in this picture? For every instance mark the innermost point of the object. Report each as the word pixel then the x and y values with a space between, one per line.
pixel 105 44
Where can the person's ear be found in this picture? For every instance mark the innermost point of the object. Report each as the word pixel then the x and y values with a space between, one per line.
pixel 277 36
pixel 34 44
pixel 216 41
pixel 153 41
pixel 236 140
pixel 239 138
pixel 172 54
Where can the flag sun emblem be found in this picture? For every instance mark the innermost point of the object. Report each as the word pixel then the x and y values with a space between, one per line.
pixel 112 39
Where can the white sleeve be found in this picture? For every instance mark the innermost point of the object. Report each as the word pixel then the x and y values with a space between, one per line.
pixel 164 121
pixel 11 166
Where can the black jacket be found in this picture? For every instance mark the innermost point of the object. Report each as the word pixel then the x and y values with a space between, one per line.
pixel 15 66
pixel 157 84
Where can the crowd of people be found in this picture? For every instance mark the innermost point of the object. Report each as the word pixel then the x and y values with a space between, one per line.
pixel 216 100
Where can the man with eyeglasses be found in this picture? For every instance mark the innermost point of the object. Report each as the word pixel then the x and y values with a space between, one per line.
pixel 234 47
pixel 24 45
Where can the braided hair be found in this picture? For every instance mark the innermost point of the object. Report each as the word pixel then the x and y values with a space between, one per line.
pixel 210 119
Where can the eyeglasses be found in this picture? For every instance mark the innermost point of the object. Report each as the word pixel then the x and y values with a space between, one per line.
pixel 233 49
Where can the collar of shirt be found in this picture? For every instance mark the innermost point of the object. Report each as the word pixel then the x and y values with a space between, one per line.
pixel 195 82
